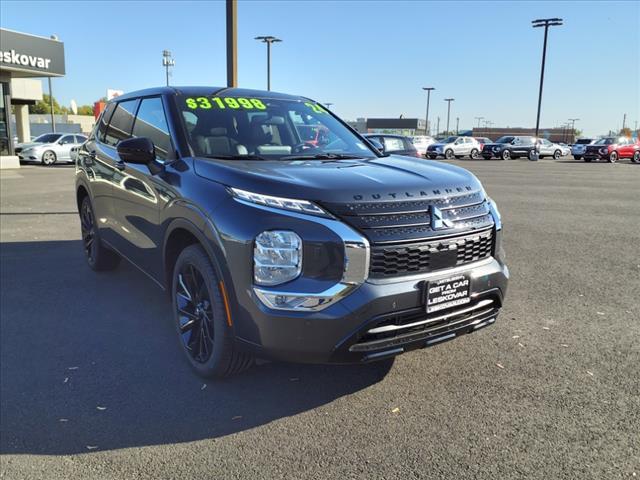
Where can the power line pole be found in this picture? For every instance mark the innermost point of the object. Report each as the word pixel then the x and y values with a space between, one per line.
pixel 427 128
pixel 448 100
pixel 546 23
pixel 232 43
pixel 624 121
pixel 478 118
pixel 268 39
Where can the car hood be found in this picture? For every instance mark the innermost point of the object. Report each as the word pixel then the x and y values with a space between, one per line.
pixel 24 146
pixel 491 145
pixel 381 179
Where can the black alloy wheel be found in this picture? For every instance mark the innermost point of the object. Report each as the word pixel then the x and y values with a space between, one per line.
pixel 98 256
pixel 195 313
pixel 202 316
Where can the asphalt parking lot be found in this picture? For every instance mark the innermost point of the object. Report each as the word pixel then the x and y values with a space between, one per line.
pixel 93 385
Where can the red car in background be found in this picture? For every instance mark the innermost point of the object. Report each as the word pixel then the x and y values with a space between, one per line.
pixel 612 149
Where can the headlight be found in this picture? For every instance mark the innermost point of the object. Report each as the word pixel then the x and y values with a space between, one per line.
pixel 604 150
pixel 493 207
pixel 303 206
pixel 438 149
pixel 277 257
pixel 495 149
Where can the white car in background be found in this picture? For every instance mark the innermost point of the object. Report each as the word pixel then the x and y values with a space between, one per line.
pixel 422 142
pixel 455 147
pixel 550 149
pixel 50 148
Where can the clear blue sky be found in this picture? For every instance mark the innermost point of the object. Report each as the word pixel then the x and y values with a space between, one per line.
pixel 368 58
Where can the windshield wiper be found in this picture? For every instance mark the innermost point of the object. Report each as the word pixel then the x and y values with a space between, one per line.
pixel 323 156
pixel 235 157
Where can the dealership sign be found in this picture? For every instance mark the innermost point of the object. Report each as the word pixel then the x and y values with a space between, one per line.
pixel 30 55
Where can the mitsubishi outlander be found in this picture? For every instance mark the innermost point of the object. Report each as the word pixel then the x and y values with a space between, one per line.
pixel 273 246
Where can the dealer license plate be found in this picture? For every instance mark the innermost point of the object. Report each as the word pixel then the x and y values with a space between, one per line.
pixel 447 292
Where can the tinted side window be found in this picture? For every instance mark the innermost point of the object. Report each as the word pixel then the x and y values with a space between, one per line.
pixel 121 123
pixel 67 139
pixel 151 122
pixel 80 139
pixel 104 121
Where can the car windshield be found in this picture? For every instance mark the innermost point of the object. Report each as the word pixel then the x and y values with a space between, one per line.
pixel 261 128
pixel 48 138
pixel 606 141
pixel 505 140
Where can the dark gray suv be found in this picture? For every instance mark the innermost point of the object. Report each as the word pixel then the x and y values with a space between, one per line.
pixel 272 245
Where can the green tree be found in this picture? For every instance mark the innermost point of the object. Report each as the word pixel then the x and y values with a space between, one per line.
pixel 85 110
pixel 44 106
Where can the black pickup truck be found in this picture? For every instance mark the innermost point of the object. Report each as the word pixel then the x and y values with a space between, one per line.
pixel 511 147
pixel 270 245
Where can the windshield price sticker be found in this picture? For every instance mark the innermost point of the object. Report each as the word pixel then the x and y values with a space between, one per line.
pixel 234 103
pixel 315 107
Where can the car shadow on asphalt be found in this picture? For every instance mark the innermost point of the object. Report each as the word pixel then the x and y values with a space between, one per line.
pixel 91 362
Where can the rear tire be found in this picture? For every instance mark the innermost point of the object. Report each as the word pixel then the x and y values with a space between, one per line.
pixel 99 258
pixel 475 154
pixel 200 317
pixel 613 157
pixel 587 160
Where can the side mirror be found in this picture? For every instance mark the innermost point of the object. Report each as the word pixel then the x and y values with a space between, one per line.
pixel 138 150
pixel 377 145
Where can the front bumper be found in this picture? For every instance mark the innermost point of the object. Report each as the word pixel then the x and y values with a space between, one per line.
pixel 381 318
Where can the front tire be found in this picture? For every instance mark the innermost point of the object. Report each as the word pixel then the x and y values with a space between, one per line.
pixel 506 155
pixel 448 154
pixel 577 157
pixel 433 157
pixel 200 317
pixel 613 157
pixel 99 258
pixel 636 157
pixel 48 158
pixel 557 154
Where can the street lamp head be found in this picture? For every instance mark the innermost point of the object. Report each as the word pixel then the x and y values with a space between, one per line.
pixel 449 99
pixel 267 39
pixel 546 22
pixel 428 88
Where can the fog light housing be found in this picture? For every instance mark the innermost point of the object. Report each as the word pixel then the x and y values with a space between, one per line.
pixel 277 257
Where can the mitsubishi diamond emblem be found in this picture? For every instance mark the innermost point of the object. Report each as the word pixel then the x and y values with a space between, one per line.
pixel 438 222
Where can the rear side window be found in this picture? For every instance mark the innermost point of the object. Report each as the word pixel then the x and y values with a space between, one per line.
pixel 408 145
pixel 151 122
pixel 104 121
pixel 121 123
pixel 393 144
pixel 80 139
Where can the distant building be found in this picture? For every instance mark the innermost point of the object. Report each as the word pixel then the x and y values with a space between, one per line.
pixel 401 126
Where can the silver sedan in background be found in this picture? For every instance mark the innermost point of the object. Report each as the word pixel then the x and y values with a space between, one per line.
pixel 50 148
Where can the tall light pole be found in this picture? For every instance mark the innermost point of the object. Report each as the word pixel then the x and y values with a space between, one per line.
pixel 328 105
pixel 167 62
pixel 438 127
pixel 448 100
pixel 427 128
pixel 546 23
pixel 268 39
pixel 232 43
pixel 53 118
pixel 478 118
pixel 457 125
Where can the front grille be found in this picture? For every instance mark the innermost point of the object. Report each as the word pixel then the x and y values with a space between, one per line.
pixel 415 258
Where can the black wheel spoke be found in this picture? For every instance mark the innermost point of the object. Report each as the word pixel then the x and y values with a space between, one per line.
pixel 194 313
